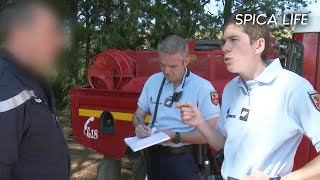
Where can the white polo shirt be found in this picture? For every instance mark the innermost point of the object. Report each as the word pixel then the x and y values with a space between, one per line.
pixel 196 90
pixel 264 121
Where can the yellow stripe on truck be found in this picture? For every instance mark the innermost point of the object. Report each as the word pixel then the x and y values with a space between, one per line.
pixel 90 113
pixel 117 115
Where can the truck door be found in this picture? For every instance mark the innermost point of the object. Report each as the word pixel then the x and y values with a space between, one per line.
pixel 303 59
pixel 316 84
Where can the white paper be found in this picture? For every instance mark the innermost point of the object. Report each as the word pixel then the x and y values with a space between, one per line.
pixel 136 143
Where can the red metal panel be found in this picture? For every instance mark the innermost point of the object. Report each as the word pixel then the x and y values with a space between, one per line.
pixel 222 75
pixel 313 153
pixel 111 145
pixel 318 64
pixel 302 155
pixel 74 108
pixel 310 43
pixel 306 150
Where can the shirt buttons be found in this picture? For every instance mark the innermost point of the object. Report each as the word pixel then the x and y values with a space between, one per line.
pixel 251 85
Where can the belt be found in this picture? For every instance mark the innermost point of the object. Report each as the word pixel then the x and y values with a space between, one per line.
pixel 171 150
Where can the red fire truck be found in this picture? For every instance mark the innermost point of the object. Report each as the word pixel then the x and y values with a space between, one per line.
pixel 102 111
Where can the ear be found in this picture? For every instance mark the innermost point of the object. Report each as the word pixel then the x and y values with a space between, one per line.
pixel 187 61
pixel 260 46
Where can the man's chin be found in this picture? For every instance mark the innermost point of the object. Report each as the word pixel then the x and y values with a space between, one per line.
pixel 168 78
pixel 47 71
pixel 231 69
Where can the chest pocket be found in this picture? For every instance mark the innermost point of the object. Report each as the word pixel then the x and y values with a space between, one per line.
pixel 153 101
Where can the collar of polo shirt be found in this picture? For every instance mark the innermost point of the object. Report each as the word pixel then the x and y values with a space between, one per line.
pixel 268 75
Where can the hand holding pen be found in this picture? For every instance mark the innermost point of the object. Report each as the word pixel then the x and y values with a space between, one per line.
pixel 142 130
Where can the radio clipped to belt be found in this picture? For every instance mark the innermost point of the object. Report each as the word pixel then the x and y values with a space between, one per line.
pixel 206 162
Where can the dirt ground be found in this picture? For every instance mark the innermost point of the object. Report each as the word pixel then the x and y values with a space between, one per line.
pixel 84 161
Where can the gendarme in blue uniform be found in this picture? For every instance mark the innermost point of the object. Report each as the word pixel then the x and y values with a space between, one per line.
pixel 195 90
pixel 165 165
pixel 32 145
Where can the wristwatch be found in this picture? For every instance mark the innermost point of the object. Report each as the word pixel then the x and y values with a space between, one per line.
pixel 275 178
pixel 176 138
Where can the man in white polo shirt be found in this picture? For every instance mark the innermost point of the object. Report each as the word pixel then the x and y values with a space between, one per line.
pixel 265 112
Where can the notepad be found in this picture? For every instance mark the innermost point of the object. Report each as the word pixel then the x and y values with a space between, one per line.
pixel 136 143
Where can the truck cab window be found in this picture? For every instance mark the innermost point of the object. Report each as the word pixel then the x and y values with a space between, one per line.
pixel 295 57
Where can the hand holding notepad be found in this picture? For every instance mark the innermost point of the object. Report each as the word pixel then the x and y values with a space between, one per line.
pixel 136 143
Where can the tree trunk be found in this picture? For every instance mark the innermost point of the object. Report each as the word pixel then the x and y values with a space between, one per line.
pixel 74 24
pixel 108 11
pixel 88 16
pixel 228 4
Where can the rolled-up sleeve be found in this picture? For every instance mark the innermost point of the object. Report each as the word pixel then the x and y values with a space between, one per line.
pixel 143 102
pixel 303 105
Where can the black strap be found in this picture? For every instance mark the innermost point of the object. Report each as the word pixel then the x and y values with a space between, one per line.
pixel 157 103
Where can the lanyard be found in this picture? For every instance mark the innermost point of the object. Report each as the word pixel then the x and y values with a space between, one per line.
pixel 159 95
pixel 157 103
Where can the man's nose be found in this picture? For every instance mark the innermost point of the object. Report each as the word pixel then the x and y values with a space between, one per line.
pixel 166 70
pixel 226 47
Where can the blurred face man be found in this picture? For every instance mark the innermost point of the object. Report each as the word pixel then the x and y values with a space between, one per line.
pixel 173 66
pixel 38 41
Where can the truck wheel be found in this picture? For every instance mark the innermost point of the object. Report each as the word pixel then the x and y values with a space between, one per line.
pixel 139 171
pixel 109 169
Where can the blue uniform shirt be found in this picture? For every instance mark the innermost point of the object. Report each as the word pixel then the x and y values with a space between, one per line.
pixel 196 90
pixel 264 121
pixel 32 145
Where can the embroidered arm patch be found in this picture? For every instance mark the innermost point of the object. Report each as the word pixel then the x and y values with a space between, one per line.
pixel 315 97
pixel 214 97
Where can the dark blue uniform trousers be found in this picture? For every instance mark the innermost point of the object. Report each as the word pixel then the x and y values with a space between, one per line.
pixel 165 166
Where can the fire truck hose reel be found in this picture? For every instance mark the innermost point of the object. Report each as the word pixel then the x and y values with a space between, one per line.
pixel 109 70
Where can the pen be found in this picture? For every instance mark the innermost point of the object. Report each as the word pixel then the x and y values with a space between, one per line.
pixel 139 120
pixel 142 124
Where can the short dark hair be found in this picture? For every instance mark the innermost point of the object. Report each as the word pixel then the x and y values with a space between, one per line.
pixel 255 31
pixel 19 13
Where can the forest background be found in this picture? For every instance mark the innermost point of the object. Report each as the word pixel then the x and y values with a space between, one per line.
pixel 93 26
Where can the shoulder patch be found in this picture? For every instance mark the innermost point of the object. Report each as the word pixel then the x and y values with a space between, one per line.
pixel 214 97
pixel 315 97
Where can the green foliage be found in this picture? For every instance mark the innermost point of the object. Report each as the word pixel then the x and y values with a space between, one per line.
pixel 97 25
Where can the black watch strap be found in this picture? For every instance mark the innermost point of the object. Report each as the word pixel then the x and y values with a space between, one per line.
pixel 176 139
pixel 275 178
